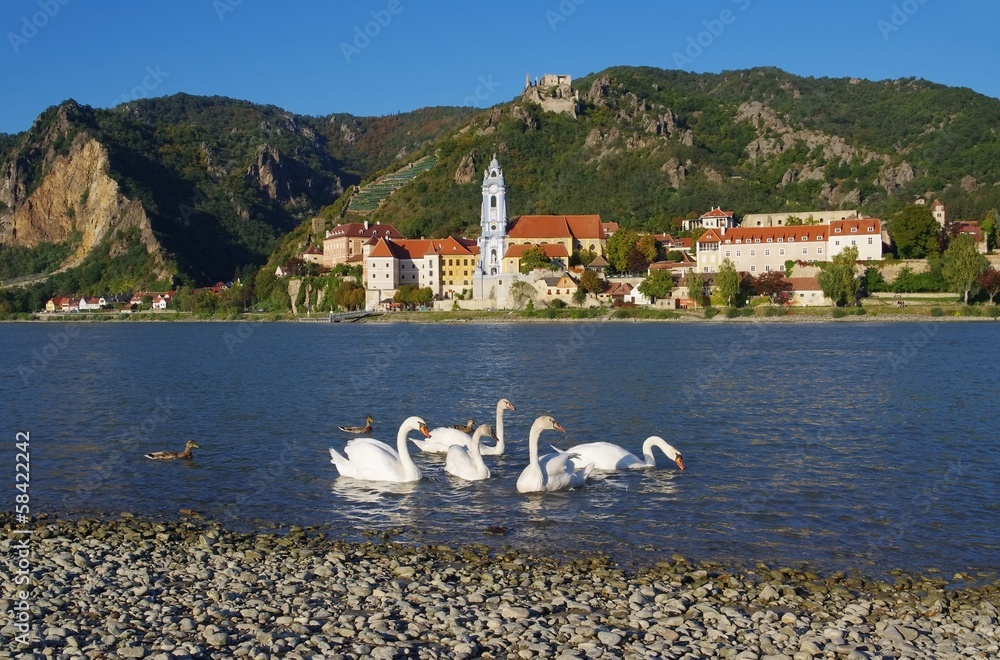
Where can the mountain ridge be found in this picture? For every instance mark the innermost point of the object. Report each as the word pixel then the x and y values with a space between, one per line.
pixel 224 184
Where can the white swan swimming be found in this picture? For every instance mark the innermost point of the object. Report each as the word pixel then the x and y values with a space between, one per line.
pixel 467 462
pixel 551 472
pixel 444 437
pixel 374 460
pixel 610 457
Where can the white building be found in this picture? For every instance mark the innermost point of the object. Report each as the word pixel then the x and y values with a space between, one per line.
pixel 758 250
pixel 714 219
pixel 781 219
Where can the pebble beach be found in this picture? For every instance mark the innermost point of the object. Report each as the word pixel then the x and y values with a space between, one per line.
pixel 187 588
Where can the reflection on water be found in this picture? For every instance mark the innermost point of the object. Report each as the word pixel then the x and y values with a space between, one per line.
pixel 802 442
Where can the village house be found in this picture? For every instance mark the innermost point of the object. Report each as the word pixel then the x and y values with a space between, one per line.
pixel 806 292
pixel 615 293
pixel 714 219
pixel 91 303
pixel 343 244
pixel 512 257
pixel 446 266
pixel 972 229
pixel 560 286
pixel 759 250
pixel 62 304
pixel 313 255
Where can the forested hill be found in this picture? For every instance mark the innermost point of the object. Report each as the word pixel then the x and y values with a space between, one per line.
pixel 650 145
pixel 181 187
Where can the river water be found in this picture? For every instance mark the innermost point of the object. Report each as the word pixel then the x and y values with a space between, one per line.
pixel 846 445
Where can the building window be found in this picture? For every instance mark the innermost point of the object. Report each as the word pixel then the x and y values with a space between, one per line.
pixel 853 242
pixel 854 230
pixel 805 250
pixel 870 241
pixel 493 202
pixel 727 253
pixel 767 268
pixel 837 230
pixel 781 252
pixel 819 250
pixel 753 269
pixel 769 240
pixel 767 253
pixel 753 253
pixel 739 253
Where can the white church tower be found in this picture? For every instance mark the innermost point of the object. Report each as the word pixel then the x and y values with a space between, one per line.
pixel 493 221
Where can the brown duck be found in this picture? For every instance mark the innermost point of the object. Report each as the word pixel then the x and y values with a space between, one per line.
pixel 171 455
pixel 367 428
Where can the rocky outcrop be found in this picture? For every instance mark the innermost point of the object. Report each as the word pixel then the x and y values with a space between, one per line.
pixel 283 179
pixel 777 137
pixel 466 171
pixel 676 173
pixel 77 198
pixel 599 91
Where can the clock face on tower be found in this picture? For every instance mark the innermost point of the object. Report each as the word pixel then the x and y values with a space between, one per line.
pixel 494 187
pixel 493 226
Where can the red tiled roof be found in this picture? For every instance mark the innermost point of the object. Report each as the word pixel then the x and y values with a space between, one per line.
pixel 863 226
pixel 313 250
pixel 556 226
pixel 777 234
pixel 419 248
pixel 710 236
pixel 717 212
pixel 551 251
pixel 804 283
pixel 609 228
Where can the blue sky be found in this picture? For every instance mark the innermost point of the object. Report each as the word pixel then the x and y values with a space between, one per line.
pixel 384 56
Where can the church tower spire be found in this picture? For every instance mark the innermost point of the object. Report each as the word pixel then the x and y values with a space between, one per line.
pixel 493 219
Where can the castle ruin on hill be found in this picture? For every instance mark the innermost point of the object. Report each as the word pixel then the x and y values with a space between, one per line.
pixel 553 92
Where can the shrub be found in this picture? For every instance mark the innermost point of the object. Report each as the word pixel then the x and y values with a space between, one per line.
pixel 993 311
pixel 839 313
pixel 557 303
pixel 732 313
pixel 775 311
pixel 937 311
pixel 711 312
pixel 861 311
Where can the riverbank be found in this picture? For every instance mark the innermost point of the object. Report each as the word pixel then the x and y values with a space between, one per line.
pixel 759 314
pixel 143 588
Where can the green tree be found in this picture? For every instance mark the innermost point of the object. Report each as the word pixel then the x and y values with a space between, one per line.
pixel 696 287
pixel 990 229
pixel 619 245
pixel 963 264
pixel 649 247
pixel 728 283
pixel 635 261
pixel 657 284
pixel 535 257
pixel 915 232
pixel 591 282
pixel 839 279
pixel 579 296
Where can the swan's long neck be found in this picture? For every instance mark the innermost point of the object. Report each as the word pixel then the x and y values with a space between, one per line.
pixel 499 427
pixel 533 436
pixel 654 441
pixel 404 451
pixel 475 448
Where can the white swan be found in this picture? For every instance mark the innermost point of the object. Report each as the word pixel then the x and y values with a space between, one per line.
pixel 551 472
pixel 444 437
pixel 374 460
pixel 611 457
pixel 467 462
pixel 498 448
